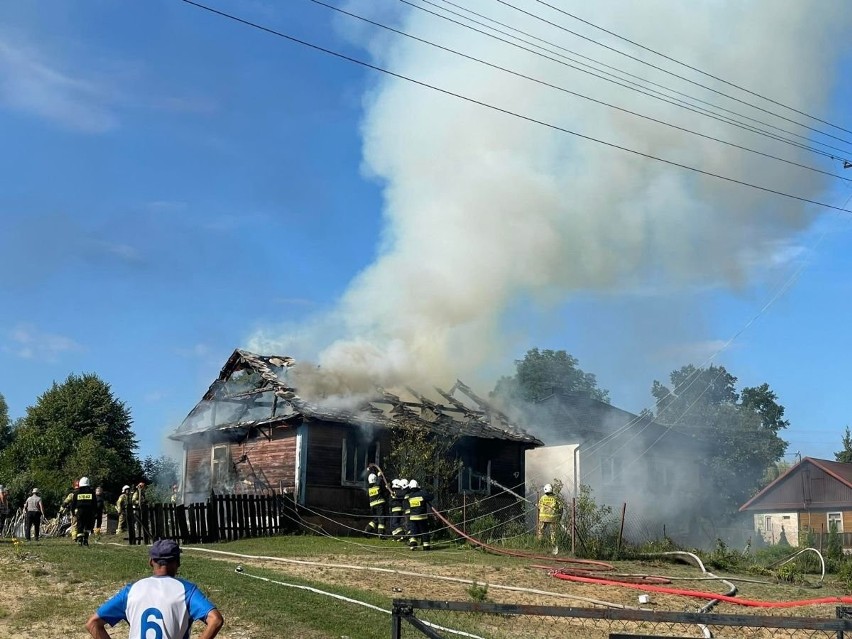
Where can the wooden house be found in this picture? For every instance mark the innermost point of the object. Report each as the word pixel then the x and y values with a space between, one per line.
pixel 811 498
pixel 253 433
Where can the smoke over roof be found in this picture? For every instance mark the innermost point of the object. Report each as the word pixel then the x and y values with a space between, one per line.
pixel 483 210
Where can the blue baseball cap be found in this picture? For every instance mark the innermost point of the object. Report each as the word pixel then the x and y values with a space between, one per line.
pixel 164 550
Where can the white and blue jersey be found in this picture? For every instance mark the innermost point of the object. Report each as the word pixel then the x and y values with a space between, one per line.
pixel 157 608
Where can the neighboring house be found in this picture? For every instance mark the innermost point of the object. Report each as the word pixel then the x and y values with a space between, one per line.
pixel 624 458
pixel 810 498
pixel 252 433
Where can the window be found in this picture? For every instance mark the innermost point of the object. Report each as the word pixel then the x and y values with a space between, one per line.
pixel 610 470
pixel 473 481
pixel 767 522
pixel 835 520
pixel 354 457
pixel 220 467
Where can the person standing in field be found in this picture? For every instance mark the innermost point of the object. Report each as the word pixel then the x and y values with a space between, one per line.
pixel 549 514
pixel 35 511
pixel 122 505
pixel 4 509
pixel 163 603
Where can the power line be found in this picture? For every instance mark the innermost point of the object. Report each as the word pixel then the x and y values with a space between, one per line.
pixel 692 68
pixel 688 103
pixel 509 112
pixel 659 68
pixel 568 91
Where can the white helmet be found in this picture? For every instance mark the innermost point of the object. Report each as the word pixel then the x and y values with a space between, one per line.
pixel 84 481
pixel 403 483
pixel 371 478
pixel 413 484
pixel 125 487
pixel 394 483
pixel 548 489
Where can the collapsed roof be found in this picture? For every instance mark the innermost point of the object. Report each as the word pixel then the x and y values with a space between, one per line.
pixel 252 391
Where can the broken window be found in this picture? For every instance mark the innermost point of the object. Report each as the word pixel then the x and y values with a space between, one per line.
pixel 355 455
pixel 474 479
pixel 221 468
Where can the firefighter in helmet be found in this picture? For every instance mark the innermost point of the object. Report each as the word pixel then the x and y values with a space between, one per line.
pixel 84 506
pixel 549 514
pixel 66 508
pixel 121 506
pixel 419 506
pixel 397 508
pixel 377 493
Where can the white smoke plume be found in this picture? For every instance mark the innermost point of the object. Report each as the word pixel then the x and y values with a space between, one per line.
pixel 483 210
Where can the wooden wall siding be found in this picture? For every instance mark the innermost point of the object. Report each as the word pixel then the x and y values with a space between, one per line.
pixel 809 486
pixel 274 461
pixel 817 520
pixel 197 469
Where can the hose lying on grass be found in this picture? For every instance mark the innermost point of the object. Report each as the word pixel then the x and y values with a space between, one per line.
pixel 589 564
pixel 239 570
pixel 708 595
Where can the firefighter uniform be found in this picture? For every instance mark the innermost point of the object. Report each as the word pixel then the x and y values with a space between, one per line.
pixel 66 506
pixel 397 509
pixel 377 494
pixel 84 506
pixel 121 506
pixel 549 514
pixel 419 506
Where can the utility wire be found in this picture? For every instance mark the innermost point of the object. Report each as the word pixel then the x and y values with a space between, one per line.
pixel 506 111
pixel 687 102
pixel 659 68
pixel 563 89
pixel 692 68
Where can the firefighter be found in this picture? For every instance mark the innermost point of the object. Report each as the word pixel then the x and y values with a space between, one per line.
pixel 99 509
pixel 420 505
pixel 549 514
pixel 121 506
pixel 66 508
pixel 139 501
pixel 397 508
pixel 403 486
pixel 84 506
pixel 377 494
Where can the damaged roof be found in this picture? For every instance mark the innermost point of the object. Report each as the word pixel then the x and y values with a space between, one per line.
pixel 266 398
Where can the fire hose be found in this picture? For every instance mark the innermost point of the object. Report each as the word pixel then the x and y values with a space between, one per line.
pixel 706 595
pixel 590 564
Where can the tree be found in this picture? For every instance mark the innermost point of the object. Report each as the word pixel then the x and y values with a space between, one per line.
pixel 161 473
pixel 845 455
pixel 418 453
pixel 541 373
pixel 75 428
pixel 741 431
pixel 5 423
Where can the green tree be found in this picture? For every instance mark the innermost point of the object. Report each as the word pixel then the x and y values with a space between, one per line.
pixel 75 428
pixel 5 423
pixel 845 455
pixel 741 431
pixel 421 454
pixel 542 372
pixel 161 473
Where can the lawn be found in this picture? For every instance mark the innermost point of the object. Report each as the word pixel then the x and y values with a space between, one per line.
pixel 50 588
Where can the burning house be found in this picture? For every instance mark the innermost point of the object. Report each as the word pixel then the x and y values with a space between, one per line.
pixel 253 433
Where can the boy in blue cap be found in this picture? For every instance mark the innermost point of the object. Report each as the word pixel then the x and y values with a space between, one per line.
pixel 163 602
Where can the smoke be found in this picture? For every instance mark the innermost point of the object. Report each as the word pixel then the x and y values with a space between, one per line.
pixel 484 212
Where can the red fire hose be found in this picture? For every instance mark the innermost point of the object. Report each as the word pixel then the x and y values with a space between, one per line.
pixel 706 595
pixel 588 563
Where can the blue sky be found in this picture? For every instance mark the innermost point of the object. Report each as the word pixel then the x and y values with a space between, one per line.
pixel 175 185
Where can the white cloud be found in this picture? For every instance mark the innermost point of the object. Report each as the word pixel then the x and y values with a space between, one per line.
pixel 29 342
pixel 32 84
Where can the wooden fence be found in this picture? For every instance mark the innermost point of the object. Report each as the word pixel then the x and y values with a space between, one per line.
pixel 220 518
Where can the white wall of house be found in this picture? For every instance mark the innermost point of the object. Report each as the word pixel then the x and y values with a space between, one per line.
pixel 547 463
pixel 769 526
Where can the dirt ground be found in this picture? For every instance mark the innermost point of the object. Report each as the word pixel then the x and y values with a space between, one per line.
pixel 29 588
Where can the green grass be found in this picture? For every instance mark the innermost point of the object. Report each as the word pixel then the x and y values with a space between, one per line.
pixel 265 607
